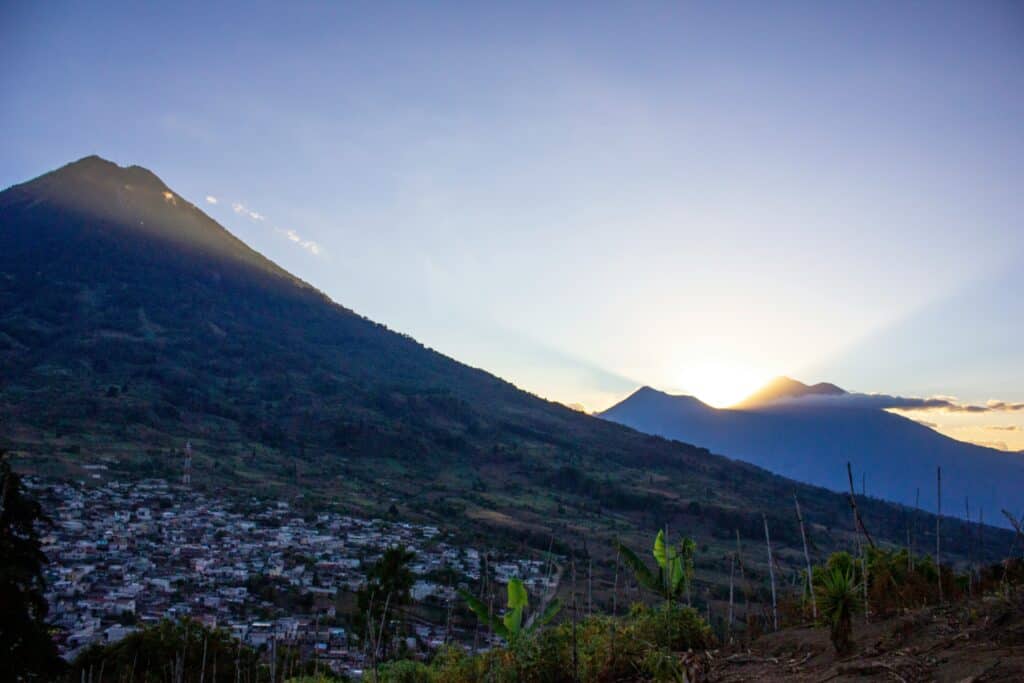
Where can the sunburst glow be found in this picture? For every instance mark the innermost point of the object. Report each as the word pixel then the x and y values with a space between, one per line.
pixel 721 385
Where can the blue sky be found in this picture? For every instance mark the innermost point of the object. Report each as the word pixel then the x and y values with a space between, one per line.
pixel 586 197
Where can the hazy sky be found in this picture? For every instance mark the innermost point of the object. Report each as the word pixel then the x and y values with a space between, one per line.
pixel 584 197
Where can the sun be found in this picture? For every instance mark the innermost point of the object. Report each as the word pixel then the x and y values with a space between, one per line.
pixel 720 384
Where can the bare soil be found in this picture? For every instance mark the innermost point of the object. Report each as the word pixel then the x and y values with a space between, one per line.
pixel 973 642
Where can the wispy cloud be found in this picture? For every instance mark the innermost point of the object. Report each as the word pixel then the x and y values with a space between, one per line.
pixel 243 210
pixel 948 404
pixel 309 245
pixel 210 199
pixel 1003 405
pixel 1005 428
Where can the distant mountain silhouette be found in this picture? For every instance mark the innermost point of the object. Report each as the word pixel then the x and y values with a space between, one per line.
pixel 783 388
pixel 810 433
pixel 130 321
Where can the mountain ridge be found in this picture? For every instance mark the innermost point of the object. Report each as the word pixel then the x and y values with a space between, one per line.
pixel 811 440
pixel 785 388
pixel 120 340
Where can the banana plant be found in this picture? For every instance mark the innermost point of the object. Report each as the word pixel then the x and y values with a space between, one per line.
pixel 510 626
pixel 675 567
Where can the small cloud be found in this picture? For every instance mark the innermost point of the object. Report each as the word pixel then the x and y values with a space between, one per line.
pixel 1003 405
pixel 1005 428
pixel 943 403
pixel 210 199
pixel 243 210
pixel 309 245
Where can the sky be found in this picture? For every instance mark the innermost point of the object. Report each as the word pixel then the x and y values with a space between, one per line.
pixel 586 197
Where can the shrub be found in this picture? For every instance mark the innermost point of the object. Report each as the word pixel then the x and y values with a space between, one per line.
pixel 837 602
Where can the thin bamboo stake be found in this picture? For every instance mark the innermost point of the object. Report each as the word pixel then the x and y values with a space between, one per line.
pixel 858 520
pixel 913 537
pixel 732 574
pixel 771 572
pixel 316 635
pixel 273 659
pixel 970 546
pixel 743 578
pixel 807 559
pixel 575 655
pixel 590 587
pixel 981 534
pixel 938 531
pixel 858 526
pixel 615 591
pixel 202 668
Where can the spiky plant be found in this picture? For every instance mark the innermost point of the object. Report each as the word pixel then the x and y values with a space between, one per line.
pixel 838 600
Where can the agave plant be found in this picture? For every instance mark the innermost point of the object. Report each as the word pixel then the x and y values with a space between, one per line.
pixel 675 567
pixel 837 602
pixel 510 626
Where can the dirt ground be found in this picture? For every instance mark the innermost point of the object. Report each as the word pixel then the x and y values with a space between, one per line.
pixel 968 642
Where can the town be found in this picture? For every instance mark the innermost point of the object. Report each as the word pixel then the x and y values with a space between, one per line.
pixel 126 554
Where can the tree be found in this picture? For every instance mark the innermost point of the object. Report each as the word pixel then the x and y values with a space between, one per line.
pixel 26 650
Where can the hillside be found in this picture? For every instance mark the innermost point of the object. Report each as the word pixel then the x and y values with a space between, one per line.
pixel 131 322
pixel 792 430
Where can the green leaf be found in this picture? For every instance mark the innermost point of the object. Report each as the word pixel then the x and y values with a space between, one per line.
pixel 643 575
pixel 513 621
pixel 483 614
pixel 549 613
pixel 677 574
pixel 660 551
pixel 517 597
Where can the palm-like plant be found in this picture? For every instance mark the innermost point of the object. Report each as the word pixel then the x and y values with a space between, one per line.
pixel 837 602
pixel 675 567
pixel 510 626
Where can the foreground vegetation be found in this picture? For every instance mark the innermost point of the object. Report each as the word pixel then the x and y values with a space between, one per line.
pixel 666 641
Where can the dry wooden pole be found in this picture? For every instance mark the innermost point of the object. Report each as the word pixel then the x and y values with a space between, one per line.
pixel 938 531
pixel 316 636
pixel 858 525
pixel 807 559
pixel 981 534
pixel 273 659
pixel 743 578
pixel 615 600
pixel 910 560
pixel 858 520
pixel 771 572
pixel 202 668
pixel 575 655
pixel 913 536
pixel 615 590
pixel 1016 525
pixel 970 547
pixel 732 574
pixel 590 587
